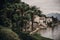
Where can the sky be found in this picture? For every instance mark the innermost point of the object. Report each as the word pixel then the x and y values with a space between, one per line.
pixel 46 6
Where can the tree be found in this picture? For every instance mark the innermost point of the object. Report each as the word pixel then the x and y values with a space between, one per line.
pixel 33 11
pixel 15 14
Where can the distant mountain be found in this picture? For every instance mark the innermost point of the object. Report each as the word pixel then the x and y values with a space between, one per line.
pixel 54 15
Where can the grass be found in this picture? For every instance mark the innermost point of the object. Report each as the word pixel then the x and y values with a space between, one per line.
pixel 8 34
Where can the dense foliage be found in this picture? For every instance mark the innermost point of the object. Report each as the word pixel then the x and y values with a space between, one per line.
pixel 14 15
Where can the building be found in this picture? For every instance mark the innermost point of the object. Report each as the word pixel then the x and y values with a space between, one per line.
pixel 42 21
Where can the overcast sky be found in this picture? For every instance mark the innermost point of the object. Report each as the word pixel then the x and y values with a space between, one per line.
pixel 46 6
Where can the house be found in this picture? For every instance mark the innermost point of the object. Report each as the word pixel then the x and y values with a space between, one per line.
pixel 48 19
pixel 42 21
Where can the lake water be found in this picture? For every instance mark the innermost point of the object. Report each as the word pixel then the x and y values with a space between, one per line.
pixel 56 33
pixel 49 34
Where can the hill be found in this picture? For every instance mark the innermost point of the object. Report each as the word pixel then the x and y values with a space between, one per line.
pixel 56 15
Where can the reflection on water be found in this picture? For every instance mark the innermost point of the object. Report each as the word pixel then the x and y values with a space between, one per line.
pixel 46 33
pixel 49 34
pixel 57 33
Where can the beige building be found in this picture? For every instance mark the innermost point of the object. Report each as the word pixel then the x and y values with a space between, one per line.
pixel 42 21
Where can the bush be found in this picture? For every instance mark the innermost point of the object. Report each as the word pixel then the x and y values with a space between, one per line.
pixel 8 34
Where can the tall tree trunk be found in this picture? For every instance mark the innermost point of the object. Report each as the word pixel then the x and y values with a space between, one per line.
pixel 32 20
pixel 22 24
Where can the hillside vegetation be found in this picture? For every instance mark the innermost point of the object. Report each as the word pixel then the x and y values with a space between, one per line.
pixel 14 17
